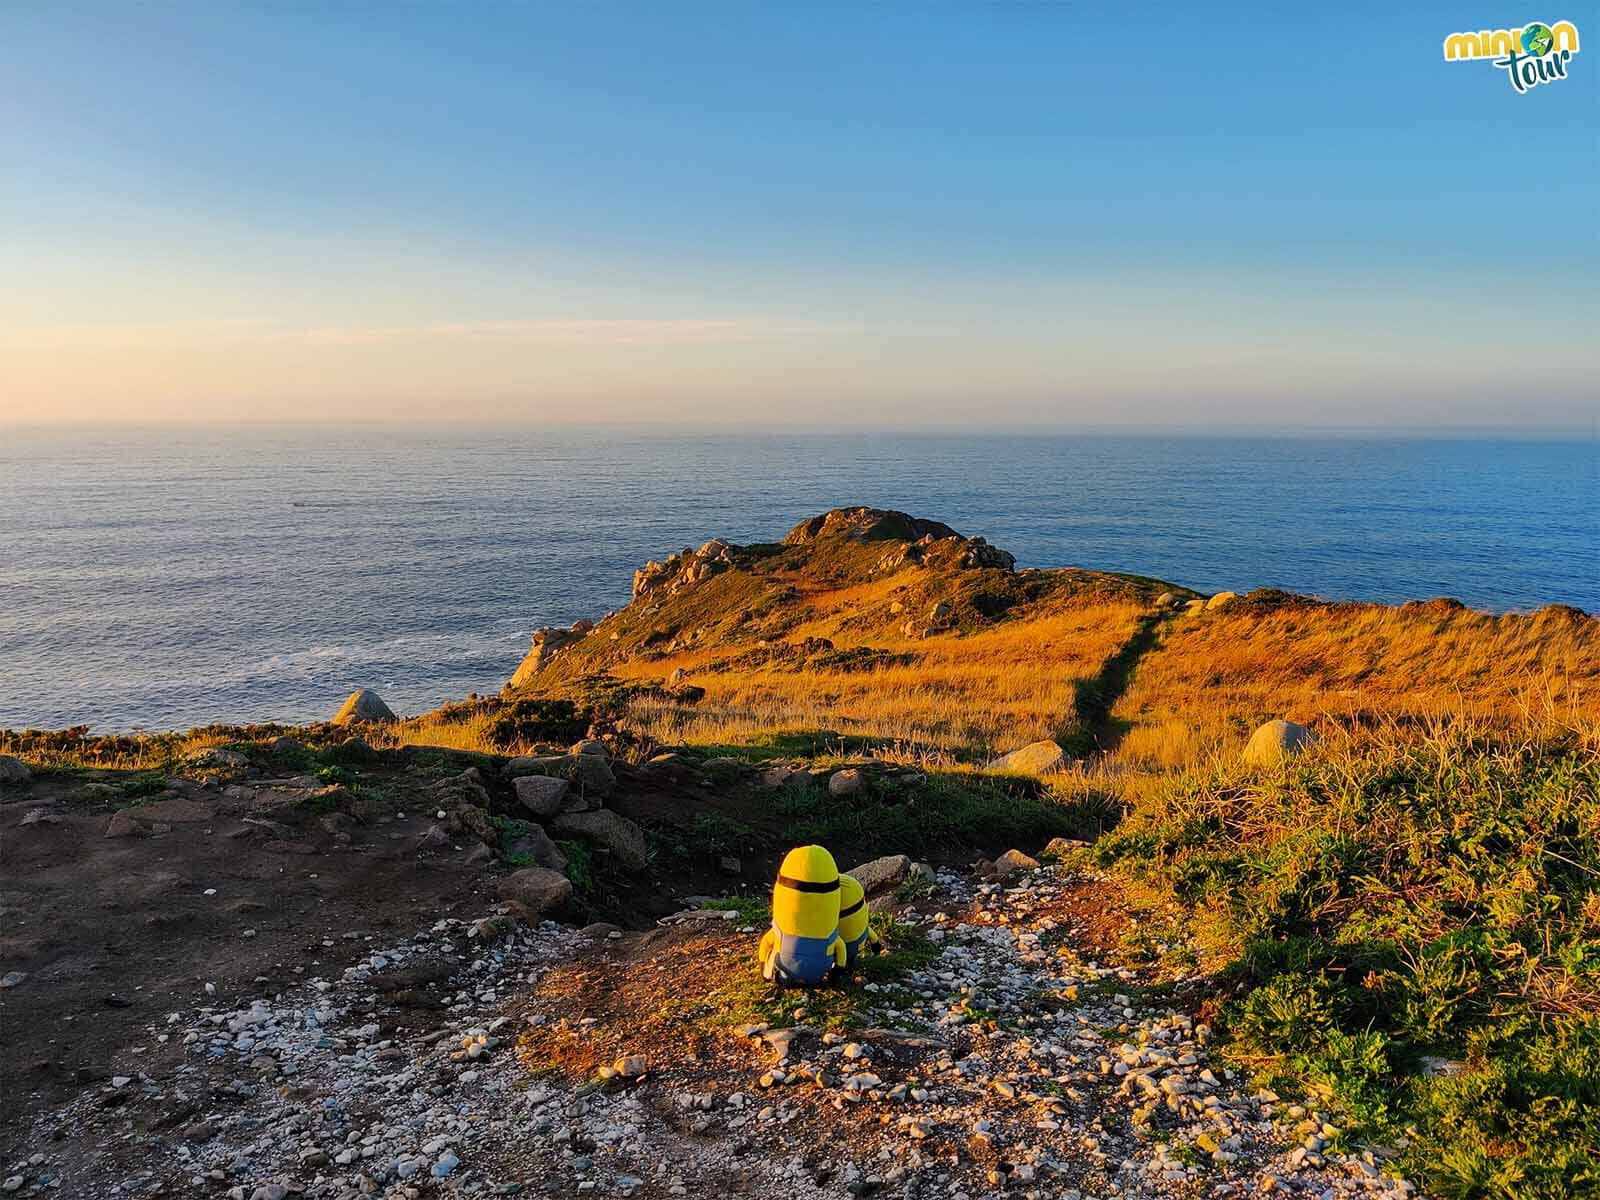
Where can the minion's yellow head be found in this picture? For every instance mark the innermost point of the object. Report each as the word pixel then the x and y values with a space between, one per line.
pixel 805 900
pixel 853 912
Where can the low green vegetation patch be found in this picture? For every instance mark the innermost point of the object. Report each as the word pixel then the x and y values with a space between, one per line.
pixel 1416 930
pixel 938 808
pixel 901 948
pixel 525 722
pixel 752 910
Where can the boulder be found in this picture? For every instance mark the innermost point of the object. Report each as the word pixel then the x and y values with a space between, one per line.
pixel 882 874
pixel 542 795
pixel 1167 600
pixel 1014 862
pixel 364 705
pixel 536 847
pixel 1036 758
pixel 849 782
pixel 616 833
pixel 1276 741
pixel 121 825
pixel 13 771
pixel 589 774
pixel 590 746
pixel 1221 599
pixel 536 889
pixel 592 774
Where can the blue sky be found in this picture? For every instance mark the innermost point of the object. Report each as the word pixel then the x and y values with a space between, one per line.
pixel 1011 214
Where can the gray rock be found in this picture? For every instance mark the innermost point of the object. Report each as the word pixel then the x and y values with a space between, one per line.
pixel 1276 741
pixel 537 889
pixel 590 746
pixel 121 825
pixel 1036 758
pixel 12 978
pixel 882 874
pixel 616 833
pixel 13 771
pixel 541 795
pixel 589 774
pixel 363 705
pixel 1221 600
pixel 536 847
pixel 849 782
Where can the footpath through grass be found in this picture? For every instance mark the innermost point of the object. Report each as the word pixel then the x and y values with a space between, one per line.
pixel 1414 929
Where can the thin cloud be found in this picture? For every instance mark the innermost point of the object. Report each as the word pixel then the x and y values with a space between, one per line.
pixel 609 332
pixel 551 330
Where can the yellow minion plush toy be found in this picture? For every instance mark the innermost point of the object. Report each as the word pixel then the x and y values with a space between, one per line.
pixel 853 918
pixel 803 944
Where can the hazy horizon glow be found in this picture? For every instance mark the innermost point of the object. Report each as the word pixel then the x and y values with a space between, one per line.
pixel 970 217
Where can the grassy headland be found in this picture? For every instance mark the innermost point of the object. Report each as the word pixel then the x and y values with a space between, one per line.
pixel 1400 923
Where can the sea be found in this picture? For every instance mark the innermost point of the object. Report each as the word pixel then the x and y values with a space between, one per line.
pixel 162 578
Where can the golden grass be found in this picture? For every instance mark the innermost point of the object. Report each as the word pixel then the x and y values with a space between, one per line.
pixel 1215 676
pixel 991 690
pixel 451 732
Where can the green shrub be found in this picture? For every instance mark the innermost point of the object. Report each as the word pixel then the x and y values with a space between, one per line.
pixel 523 722
pixel 1405 902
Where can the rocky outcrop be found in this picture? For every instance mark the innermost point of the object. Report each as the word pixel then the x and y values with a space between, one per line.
pixel 864 524
pixel 1276 741
pixel 923 543
pixel 685 569
pixel 1221 600
pixel 363 706
pixel 1036 758
pixel 13 771
pixel 548 641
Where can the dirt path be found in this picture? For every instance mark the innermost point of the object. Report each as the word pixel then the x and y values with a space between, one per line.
pixel 1097 697
pixel 487 1058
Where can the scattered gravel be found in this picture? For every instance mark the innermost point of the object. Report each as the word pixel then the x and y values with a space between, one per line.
pixel 1013 1064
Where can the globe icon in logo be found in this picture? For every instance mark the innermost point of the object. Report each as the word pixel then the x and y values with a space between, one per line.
pixel 1537 40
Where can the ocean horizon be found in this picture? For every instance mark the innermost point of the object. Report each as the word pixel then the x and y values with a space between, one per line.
pixel 163 577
